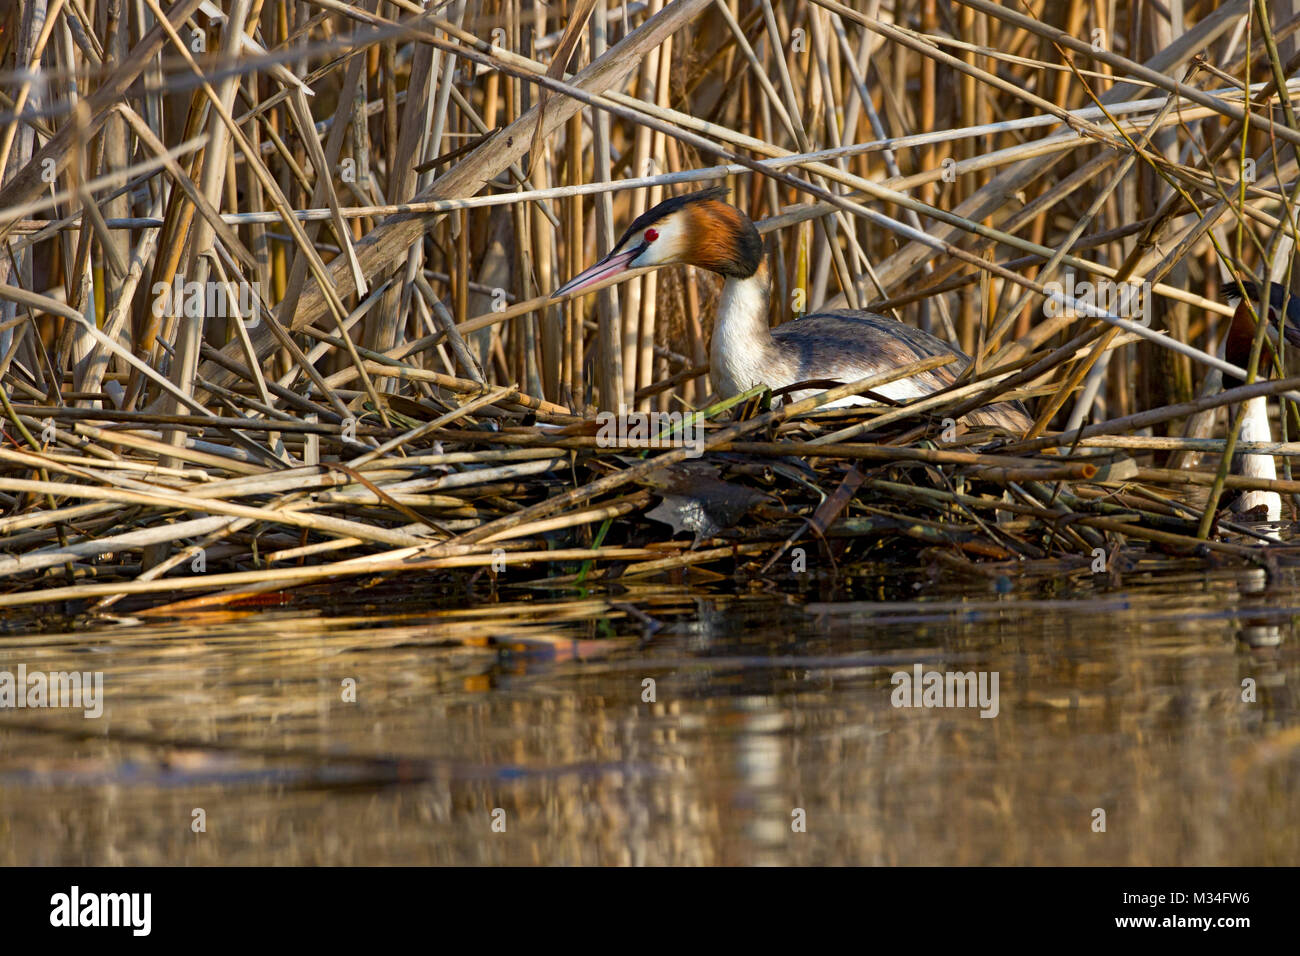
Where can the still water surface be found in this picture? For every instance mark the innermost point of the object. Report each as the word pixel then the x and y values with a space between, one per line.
pixel 1127 700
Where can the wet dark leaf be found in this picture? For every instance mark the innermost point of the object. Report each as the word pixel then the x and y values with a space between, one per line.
pixel 695 500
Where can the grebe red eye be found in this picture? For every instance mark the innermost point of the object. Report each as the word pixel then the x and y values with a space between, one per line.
pixel 651 235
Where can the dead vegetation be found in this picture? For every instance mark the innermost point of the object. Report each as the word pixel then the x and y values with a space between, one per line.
pixel 274 286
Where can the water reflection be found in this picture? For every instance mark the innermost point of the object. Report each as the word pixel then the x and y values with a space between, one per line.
pixel 664 726
pixel 1262 631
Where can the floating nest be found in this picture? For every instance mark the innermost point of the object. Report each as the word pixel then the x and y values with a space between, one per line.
pixel 505 488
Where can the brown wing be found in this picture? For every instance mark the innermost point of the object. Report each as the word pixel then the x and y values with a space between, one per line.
pixel 847 345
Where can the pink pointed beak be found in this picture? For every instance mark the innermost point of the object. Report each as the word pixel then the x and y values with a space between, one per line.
pixel 612 265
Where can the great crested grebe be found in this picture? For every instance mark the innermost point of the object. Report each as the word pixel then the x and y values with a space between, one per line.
pixel 700 229
pixel 1254 423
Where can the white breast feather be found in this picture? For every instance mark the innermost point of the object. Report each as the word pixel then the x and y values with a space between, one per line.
pixel 1255 427
pixel 738 359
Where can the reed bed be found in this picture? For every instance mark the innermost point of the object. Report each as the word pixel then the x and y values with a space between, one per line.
pixel 275 311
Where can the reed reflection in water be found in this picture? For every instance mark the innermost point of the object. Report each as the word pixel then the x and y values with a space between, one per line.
pixel 1129 701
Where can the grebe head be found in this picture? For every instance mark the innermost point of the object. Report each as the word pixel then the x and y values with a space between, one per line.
pixel 698 229
pixel 1241 331
pixel 1277 296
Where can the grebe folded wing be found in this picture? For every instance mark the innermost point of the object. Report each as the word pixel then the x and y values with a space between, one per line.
pixel 847 345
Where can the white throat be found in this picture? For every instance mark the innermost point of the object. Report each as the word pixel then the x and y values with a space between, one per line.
pixel 742 347
pixel 1255 427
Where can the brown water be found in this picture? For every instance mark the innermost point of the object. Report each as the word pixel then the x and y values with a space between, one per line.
pixel 1128 700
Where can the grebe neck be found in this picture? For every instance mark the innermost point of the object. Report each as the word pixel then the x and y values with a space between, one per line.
pixel 742 340
pixel 1254 423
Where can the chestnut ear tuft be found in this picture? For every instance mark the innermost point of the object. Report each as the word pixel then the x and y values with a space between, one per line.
pixel 724 240
pixel 670 206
